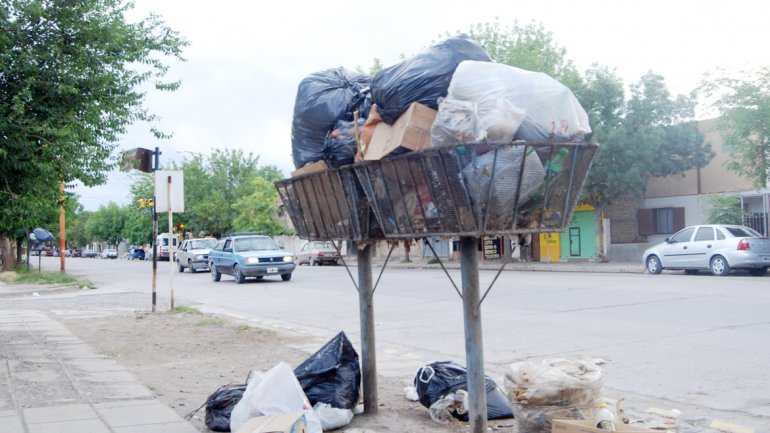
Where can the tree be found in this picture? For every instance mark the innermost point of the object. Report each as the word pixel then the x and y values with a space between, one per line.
pixel 259 210
pixel 724 209
pixel 744 107
pixel 68 89
pixel 106 224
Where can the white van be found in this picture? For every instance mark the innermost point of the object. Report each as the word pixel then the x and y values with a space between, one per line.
pixel 163 245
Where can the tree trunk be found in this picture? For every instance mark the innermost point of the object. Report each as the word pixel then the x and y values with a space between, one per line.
pixel 601 255
pixel 9 261
pixel 407 248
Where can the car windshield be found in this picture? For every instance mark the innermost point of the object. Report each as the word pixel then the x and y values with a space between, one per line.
pixel 253 244
pixel 743 232
pixel 324 246
pixel 203 244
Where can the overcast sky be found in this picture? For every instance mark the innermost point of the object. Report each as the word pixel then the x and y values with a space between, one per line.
pixel 247 57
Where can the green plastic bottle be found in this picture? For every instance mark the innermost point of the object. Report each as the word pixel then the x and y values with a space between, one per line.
pixel 555 165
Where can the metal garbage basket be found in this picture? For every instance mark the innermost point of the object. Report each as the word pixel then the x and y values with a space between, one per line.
pixel 477 189
pixel 329 205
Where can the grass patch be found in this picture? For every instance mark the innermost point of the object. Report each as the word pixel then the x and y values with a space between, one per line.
pixel 433 261
pixel 210 321
pixel 33 276
pixel 185 309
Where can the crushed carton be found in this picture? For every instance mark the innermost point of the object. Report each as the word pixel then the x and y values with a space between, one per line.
pixel 310 168
pixel 587 426
pixel 411 131
pixel 285 423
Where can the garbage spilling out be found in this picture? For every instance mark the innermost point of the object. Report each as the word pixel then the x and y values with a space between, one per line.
pixel 442 387
pixel 332 375
pixel 553 389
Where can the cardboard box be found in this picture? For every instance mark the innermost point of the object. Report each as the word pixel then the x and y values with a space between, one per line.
pixel 411 131
pixel 286 423
pixel 310 168
pixel 588 426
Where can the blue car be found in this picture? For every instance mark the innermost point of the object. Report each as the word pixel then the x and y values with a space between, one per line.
pixel 245 255
pixel 138 254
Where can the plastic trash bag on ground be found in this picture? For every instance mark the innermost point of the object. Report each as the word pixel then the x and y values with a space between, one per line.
pixel 220 404
pixel 323 98
pixel 273 393
pixel 516 104
pixel 423 78
pixel 332 417
pixel 437 380
pixel 332 375
pixel 554 389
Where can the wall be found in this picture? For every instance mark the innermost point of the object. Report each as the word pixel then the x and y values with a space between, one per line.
pixel 624 227
pixel 693 207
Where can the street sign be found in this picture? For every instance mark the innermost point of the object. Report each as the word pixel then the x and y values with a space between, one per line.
pixel 137 159
pixel 162 190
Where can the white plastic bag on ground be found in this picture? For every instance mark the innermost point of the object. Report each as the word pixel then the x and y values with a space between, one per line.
pixel 332 417
pixel 532 105
pixel 273 393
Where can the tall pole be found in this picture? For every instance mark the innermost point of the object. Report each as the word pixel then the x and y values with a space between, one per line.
pixel 170 245
pixel 366 310
pixel 156 166
pixel 474 346
pixel 62 231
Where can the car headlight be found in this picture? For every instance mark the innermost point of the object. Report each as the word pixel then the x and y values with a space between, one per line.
pixel 288 259
pixel 199 257
pixel 252 260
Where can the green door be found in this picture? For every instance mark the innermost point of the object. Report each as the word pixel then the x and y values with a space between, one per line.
pixel 579 240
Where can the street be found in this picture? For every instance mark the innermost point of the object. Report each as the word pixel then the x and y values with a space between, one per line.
pixel 670 341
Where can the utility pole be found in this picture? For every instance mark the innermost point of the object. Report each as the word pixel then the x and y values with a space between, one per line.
pixel 62 231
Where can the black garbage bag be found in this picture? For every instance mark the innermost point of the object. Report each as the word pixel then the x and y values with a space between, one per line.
pixel 323 98
pixel 220 404
pixel 332 375
pixel 423 78
pixel 340 144
pixel 438 379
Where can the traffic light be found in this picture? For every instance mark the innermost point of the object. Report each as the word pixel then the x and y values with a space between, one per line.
pixel 141 202
pixel 149 202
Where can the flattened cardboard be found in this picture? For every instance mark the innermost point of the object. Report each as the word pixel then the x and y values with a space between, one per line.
pixel 411 130
pixel 310 168
pixel 285 423
pixel 588 426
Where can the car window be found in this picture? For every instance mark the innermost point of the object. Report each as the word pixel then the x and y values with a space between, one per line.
pixel 219 246
pixel 742 232
pixel 227 244
pixel 254 244
pixel 683 236
pixel 305 247
pixel 704 234
pixel 720 235
pixel 202 244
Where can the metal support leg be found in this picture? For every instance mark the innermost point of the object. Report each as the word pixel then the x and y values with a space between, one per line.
pixel 474 347
pixel 366 309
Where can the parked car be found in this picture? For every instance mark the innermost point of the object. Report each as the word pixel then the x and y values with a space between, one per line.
pixel 715 247
pixel 249 255
pixel 77 253
pixel 138 254
pixel 89 253
pixel 318 253
pixel 109 254
pixel 194 254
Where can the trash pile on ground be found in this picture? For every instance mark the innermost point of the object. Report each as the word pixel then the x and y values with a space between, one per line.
pixel 553 389
pixel 319 395
pixel 450 94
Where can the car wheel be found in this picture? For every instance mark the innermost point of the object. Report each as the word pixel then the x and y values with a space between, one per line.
pixel 192 268
pixel 313 262
pixel 179 265
pixel 286 277
pixel 260 277
pixel 238 275
pixel 653 265
pixel 691 271
pixel 719 266
pixel 758 272
pixel 215 275
pixel 320 263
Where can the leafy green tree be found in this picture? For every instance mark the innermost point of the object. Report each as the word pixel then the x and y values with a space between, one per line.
pixel 68 89
pixel 76 229
pixel 106 224
pixel 259 210
pixel 724 209
pixel 744 107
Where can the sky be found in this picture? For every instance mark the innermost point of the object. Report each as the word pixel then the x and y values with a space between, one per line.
pixel 247 57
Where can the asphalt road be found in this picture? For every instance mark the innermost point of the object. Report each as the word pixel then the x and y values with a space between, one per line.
pixel 697 344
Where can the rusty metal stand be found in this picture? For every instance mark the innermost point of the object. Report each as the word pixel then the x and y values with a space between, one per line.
pixel 366 312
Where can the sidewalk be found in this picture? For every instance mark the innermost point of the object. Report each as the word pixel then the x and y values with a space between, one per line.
pixel 52 382
pixel 563 266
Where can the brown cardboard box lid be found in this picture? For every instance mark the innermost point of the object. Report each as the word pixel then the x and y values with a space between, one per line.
pixel 293 422
pixel 411 130
pixel 310 168
pixel 587 426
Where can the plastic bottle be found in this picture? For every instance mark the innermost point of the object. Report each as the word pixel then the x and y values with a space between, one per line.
pixel 555 165
pixel 605 420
